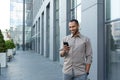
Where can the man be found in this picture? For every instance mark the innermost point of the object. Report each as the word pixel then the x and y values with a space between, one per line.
pixel 77 52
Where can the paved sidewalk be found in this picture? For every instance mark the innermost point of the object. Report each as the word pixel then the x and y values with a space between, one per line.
pixel 31 66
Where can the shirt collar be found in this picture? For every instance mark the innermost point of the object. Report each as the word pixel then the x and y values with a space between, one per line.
pixel 76 35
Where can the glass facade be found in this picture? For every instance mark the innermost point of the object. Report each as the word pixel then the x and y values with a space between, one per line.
pixel 16 10
pixel 16 21
pixel 28 23
pixel 37 4
pixel 76 9
pixel 112 9
pixel 33 37
pixel 112 29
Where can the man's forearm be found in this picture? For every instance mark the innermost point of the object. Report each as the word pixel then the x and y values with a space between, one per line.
pixel 62 53
pixel 87 68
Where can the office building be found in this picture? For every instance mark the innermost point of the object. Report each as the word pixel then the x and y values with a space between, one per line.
pixel 99 20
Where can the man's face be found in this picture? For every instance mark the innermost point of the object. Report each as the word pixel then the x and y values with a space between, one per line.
pixel 73 27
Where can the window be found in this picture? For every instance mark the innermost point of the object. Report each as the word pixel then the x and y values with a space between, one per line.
pixel 47 29
pixel 39 35
pixel 112 9
pixel 113 51
pixel 56 31
pixel 76 10
pixel 112 27
pixel 42 35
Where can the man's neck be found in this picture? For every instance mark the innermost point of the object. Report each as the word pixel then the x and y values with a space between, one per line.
pixel 76 34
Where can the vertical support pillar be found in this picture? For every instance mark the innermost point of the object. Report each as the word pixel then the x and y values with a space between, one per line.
pixel 23 46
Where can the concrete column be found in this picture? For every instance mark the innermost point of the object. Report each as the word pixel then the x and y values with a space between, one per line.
pixel 51 27
pixel 89 28
pixel 23 44
pixel 62 21
pixel 92 25
pixel 45 31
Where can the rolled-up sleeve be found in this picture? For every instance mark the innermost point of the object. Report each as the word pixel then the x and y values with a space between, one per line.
pixel 88 52
pixel 61 49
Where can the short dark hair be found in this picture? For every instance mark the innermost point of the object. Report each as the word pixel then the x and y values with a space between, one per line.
pixel 74 20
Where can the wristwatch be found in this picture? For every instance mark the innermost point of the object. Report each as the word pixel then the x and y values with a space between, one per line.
pixel 87 73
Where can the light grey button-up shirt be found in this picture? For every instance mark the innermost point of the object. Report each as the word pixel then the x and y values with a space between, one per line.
pixel 79 55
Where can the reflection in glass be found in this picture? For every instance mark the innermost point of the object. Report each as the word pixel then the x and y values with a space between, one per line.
pixel 113 50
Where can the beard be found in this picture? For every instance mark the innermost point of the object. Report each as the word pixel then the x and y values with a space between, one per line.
pixel 76 32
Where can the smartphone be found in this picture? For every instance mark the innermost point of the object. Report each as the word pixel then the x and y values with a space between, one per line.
pixel 66 43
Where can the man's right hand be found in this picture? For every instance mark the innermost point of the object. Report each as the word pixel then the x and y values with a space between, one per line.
pixel 65 50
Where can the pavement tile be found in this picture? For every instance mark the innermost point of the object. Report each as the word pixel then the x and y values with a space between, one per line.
pixel 27 65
